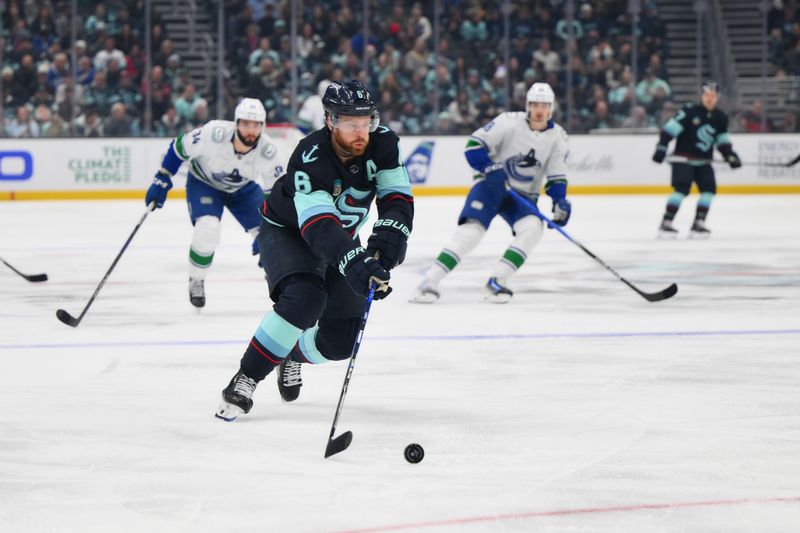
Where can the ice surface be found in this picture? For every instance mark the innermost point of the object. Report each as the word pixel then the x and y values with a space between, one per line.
pixel 578 407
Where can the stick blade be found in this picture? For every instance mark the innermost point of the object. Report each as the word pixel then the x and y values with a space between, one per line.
pixel 35 278
pixel 339 444
pixel 669 292
pixel 67 318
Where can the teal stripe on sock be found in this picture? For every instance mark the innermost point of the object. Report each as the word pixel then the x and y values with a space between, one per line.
pixel 705 199
pixel 675 198
pixel 277 335
pixel 308 345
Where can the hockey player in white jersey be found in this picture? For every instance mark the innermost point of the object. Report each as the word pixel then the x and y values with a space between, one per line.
pixel 228 163
pixel 517 150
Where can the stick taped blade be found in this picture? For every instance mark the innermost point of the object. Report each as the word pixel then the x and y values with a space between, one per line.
pixel 669 292
pixel 339 444
pixel 67 318
pixel 36 277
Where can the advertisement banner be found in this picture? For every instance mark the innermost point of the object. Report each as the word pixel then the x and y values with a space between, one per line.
pixel 123 168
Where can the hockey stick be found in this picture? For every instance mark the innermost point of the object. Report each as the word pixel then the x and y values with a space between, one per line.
pixel 340 443
pixel 683 159
pixel 669 292
pixel 70 320
pixel 33 278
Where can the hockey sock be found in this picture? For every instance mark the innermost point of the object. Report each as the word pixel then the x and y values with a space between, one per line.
pixel 703 205
pixel 272 342
pixel 465 239
pixel 527 234
pixel 205 239
pixel 306 350
pixel 673 204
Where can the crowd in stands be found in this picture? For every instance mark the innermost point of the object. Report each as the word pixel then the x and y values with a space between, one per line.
pixel 453 84
pixel 461 80
pixel 41 97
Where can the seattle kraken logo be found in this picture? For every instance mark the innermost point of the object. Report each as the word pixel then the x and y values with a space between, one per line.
pixel 705 137
pixel 350 214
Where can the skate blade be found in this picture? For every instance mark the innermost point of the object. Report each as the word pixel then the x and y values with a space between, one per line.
pixel 497 298
pixel 667 235
pixel 424 298
pixel 697 236
pixel 228 412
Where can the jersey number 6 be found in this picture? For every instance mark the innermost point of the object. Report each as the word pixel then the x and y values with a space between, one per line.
pixel 302 182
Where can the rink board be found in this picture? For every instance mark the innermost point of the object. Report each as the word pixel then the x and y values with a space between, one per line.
pixel 74 169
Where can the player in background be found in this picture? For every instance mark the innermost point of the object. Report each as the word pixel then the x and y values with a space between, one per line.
pixel 312 115
pixel 521 150
pixel 317 270
pixel 227 161
pixel 697 128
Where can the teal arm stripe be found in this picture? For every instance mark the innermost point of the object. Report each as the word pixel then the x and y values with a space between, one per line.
pixel 312 204
pixel 673 127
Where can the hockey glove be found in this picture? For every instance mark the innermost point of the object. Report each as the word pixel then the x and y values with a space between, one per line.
pixel 157 193
pixel 661 153
pixel 562 209
pixel 388 242
pixel 495 176
pixel 361 270
pixel 733 160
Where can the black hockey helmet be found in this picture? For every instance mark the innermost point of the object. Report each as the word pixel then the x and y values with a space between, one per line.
pixel 352 99
pixel 710 85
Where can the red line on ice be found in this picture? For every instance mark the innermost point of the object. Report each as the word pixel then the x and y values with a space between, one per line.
pixel 567 512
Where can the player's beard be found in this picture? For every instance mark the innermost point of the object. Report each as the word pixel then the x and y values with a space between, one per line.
pixel 249 141
pixel 349 149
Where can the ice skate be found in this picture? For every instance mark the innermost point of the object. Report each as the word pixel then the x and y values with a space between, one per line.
pixel 426 293
pixel 289 380
pixel 667 230
pixel 197 292
pixel 497 293
pixel 237 397
pixel 699 230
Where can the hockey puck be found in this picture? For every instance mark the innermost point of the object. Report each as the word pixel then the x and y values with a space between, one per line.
pixel 414 453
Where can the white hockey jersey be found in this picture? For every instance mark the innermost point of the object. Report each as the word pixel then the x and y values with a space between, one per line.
pixel 528 156
pixel 212 159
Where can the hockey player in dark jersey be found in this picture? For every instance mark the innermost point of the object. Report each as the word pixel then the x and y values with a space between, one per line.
pixel 697 128
pixel 317 270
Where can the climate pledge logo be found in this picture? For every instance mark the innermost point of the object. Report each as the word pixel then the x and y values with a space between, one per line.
pixel 16 165
pixel 114 166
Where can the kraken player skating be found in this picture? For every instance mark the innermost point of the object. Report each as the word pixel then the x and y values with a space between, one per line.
pixel 228 163
pixel 520 150
pixel 317 270
pixel 697 128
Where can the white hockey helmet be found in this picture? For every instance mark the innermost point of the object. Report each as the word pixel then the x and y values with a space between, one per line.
pixel 250 109
pixel 541 92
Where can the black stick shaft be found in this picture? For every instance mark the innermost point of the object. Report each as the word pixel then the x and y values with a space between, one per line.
pixel 114 264
pixel 329 451
pixel 29 277
pixel 650 297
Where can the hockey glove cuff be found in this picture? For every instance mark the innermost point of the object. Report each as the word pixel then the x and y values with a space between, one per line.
pixel 157 193
pixel 733 160
pixel 361 270
pixel 661 153
pixel 562 210
pixel 388 241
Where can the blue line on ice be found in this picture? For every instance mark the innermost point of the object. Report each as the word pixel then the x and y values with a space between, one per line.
pixel 412 338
